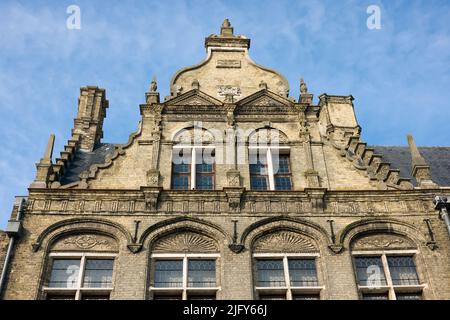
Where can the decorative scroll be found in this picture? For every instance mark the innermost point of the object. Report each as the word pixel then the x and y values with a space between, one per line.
pixel 86 242
pixel 382 241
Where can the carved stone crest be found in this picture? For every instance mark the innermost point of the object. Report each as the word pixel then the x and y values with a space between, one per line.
pixel 86 241
pixel 222 91
pixel 382 241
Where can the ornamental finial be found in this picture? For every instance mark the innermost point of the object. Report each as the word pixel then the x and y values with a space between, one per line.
pixel 226 28
pixel 303 87
pixel 153 85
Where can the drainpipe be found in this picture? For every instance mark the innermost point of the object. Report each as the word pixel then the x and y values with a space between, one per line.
pixel 443 206
pixel 13 231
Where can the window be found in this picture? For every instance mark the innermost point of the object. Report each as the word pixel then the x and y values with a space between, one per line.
pixel 80 277
pixel 193 168
pixel 181 277
pixel 387 276
pixel 270 168
pixel 286 277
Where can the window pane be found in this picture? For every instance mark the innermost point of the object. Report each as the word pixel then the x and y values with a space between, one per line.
pixel 281 164
pixel 180 182
pixel 302 272
pixel 169 273
pixel 270 273
pixel 204 182
pixel 403 270
pixel 65 273
pixel 369 271
pixel 98 273
pixel 258 168
pixel 305 297
pixel 375 296
pixel 283 183
pixel 201 273
pixel 408 296
pixel 181 168
pixel 259 182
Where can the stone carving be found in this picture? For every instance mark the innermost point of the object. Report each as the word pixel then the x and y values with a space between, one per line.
pixel 190 136
pixel 228 63
pixel 265 136
pixel 267 102
pixel 153 178
pixel 284 241
pixel 185 242
pixel 195 84
pixel 222 91
pixel 86 241
pixel 153 85
pixel 382 241
pixel 263 85
pixel 233 178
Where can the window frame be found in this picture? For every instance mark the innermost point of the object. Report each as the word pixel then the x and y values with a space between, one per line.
pixel 288 290
pixel 192 175
pixel 78 291
pixel 390 289
pixel 285 150
pixel 185 290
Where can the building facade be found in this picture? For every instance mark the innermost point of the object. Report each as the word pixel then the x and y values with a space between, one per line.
pixel 230 189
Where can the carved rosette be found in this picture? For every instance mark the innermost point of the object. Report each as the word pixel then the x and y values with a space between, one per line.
pixel 153 178
pixel 233 178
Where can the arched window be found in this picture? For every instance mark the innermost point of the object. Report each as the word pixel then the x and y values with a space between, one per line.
pixel 184 266
pixel 385 268
pixel 269 159
pixel 193 160
pixel 80 267
pixel 285 267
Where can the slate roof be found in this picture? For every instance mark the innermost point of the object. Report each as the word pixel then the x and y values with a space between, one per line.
pixel 438 158
pixel 83 160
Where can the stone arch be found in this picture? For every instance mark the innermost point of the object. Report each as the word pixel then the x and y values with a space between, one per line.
pixel 311 232
pixel 183 224
pixel 72 227
pixel 394 229
pixel 267 135
pixel 194 135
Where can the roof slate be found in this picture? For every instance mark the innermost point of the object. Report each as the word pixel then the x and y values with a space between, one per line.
pixel 438 158
pixel 83 160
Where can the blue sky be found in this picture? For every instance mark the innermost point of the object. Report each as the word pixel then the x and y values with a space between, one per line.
pixel 399 75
